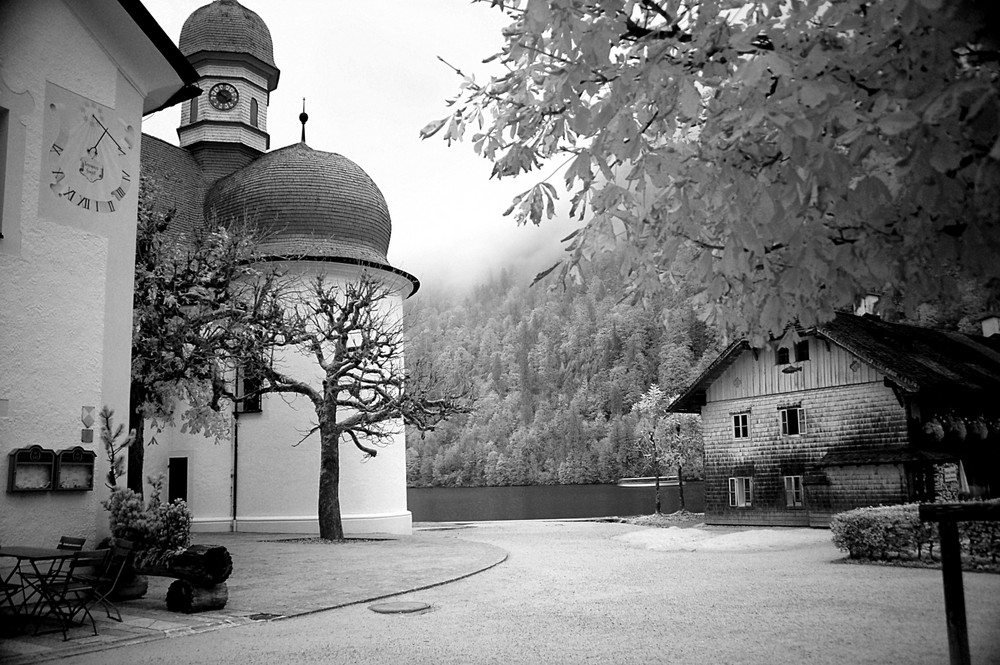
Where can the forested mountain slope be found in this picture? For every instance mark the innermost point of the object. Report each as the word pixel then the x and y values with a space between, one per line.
pixel 557 373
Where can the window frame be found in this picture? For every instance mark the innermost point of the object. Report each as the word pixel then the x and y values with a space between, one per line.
pixel 244 386
pixel 800 420
pixel 740 491
pixel 741 426
pixel 794 494
pixel 782 356
pixel 797 353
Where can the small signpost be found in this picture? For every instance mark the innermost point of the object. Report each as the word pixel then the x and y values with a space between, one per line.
pixel 948 515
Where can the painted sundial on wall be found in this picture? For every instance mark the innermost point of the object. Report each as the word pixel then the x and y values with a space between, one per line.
pixel 91 152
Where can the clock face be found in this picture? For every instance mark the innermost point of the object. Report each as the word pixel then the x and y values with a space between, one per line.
pixel 223 96
pixel 90 161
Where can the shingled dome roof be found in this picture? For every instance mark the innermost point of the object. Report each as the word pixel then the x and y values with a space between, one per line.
pixel 226 26
pixel 315 204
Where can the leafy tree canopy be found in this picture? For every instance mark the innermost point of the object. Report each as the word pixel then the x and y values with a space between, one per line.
pixel 795 154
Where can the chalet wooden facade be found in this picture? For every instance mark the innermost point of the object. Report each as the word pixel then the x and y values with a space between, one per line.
pixel 857 412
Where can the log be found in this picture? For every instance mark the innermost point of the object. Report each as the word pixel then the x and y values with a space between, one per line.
pixel 202 565
pixel 182 596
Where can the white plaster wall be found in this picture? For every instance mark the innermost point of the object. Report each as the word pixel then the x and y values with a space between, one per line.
pixel 277 472
pixel 66 293
pixel 209 470
pixel 279 477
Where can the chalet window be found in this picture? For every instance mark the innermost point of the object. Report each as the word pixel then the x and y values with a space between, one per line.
pixel 784 355
pixel 741 426
pixel 793 421
pixel 793 491
pixel 741 492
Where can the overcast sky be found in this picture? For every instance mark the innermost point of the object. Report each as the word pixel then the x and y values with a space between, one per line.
pixel 371 78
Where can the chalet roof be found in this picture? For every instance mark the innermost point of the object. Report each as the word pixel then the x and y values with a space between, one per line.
pixel 917 360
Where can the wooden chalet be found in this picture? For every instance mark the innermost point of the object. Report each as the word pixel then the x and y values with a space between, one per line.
pixel 857 412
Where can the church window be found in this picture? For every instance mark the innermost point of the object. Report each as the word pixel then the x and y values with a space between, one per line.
pixel 248 392
pixel 194 109
pixel 253 112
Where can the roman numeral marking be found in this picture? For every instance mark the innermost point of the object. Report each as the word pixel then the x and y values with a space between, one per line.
pixel 56 148
pixel 84 203
pixel 70 194
pixel 125 176
pixel 111 205
pixel 118 193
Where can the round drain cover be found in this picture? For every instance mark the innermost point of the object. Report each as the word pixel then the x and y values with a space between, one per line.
pixel 402 607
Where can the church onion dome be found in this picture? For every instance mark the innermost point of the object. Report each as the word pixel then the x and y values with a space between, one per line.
pixel 311 205
pixel 227 30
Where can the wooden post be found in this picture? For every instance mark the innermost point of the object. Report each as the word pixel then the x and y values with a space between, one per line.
pixel 954 593
pixel 948 515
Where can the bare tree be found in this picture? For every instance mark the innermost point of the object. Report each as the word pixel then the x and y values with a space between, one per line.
pixel 355 337
pixel 668 440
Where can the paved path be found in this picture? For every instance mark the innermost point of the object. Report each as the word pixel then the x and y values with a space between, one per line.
pixel 611 593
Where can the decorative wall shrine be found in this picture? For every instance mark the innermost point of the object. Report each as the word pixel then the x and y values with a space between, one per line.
pixel 37 469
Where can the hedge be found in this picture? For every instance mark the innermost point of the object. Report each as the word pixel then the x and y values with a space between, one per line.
pixel 896 532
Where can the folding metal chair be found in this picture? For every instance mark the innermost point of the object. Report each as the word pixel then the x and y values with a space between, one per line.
pixel 64 597
pixel 71 543
pixel 105 579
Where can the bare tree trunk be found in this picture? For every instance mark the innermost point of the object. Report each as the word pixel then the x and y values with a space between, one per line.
pixel 680 484
pixel 656 470
pixel 137 449
pixel 331 526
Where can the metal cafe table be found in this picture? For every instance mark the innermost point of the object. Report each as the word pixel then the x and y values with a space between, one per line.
pixel 46 563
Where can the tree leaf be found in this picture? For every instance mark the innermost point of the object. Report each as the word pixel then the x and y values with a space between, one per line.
pixel 432 128
pixel 897 123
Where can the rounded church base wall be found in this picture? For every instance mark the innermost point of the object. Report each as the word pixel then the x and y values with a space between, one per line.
pixel 354 525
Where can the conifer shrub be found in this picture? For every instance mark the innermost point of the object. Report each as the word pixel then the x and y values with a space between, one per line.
pixel 158 530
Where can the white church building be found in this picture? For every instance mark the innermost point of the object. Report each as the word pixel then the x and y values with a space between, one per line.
pixel 318 207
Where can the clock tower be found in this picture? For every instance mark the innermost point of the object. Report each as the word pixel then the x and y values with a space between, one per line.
pixel 226 127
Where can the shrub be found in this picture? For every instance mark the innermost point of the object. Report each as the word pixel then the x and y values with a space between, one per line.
pixel 158 530
pixel 882 532
pixel 886 532
pixel 127 516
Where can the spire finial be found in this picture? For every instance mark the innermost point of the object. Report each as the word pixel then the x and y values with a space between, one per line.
pixel 303 117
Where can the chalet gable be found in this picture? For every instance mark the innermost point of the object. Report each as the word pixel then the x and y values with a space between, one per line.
pixel 853 349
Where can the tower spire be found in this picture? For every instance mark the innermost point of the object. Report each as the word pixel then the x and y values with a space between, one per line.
pixel 303 117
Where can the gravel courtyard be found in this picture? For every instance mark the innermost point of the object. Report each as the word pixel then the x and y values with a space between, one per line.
pixel 616 593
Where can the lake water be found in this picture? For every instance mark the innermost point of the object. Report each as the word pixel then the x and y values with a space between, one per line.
pixel 472 504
